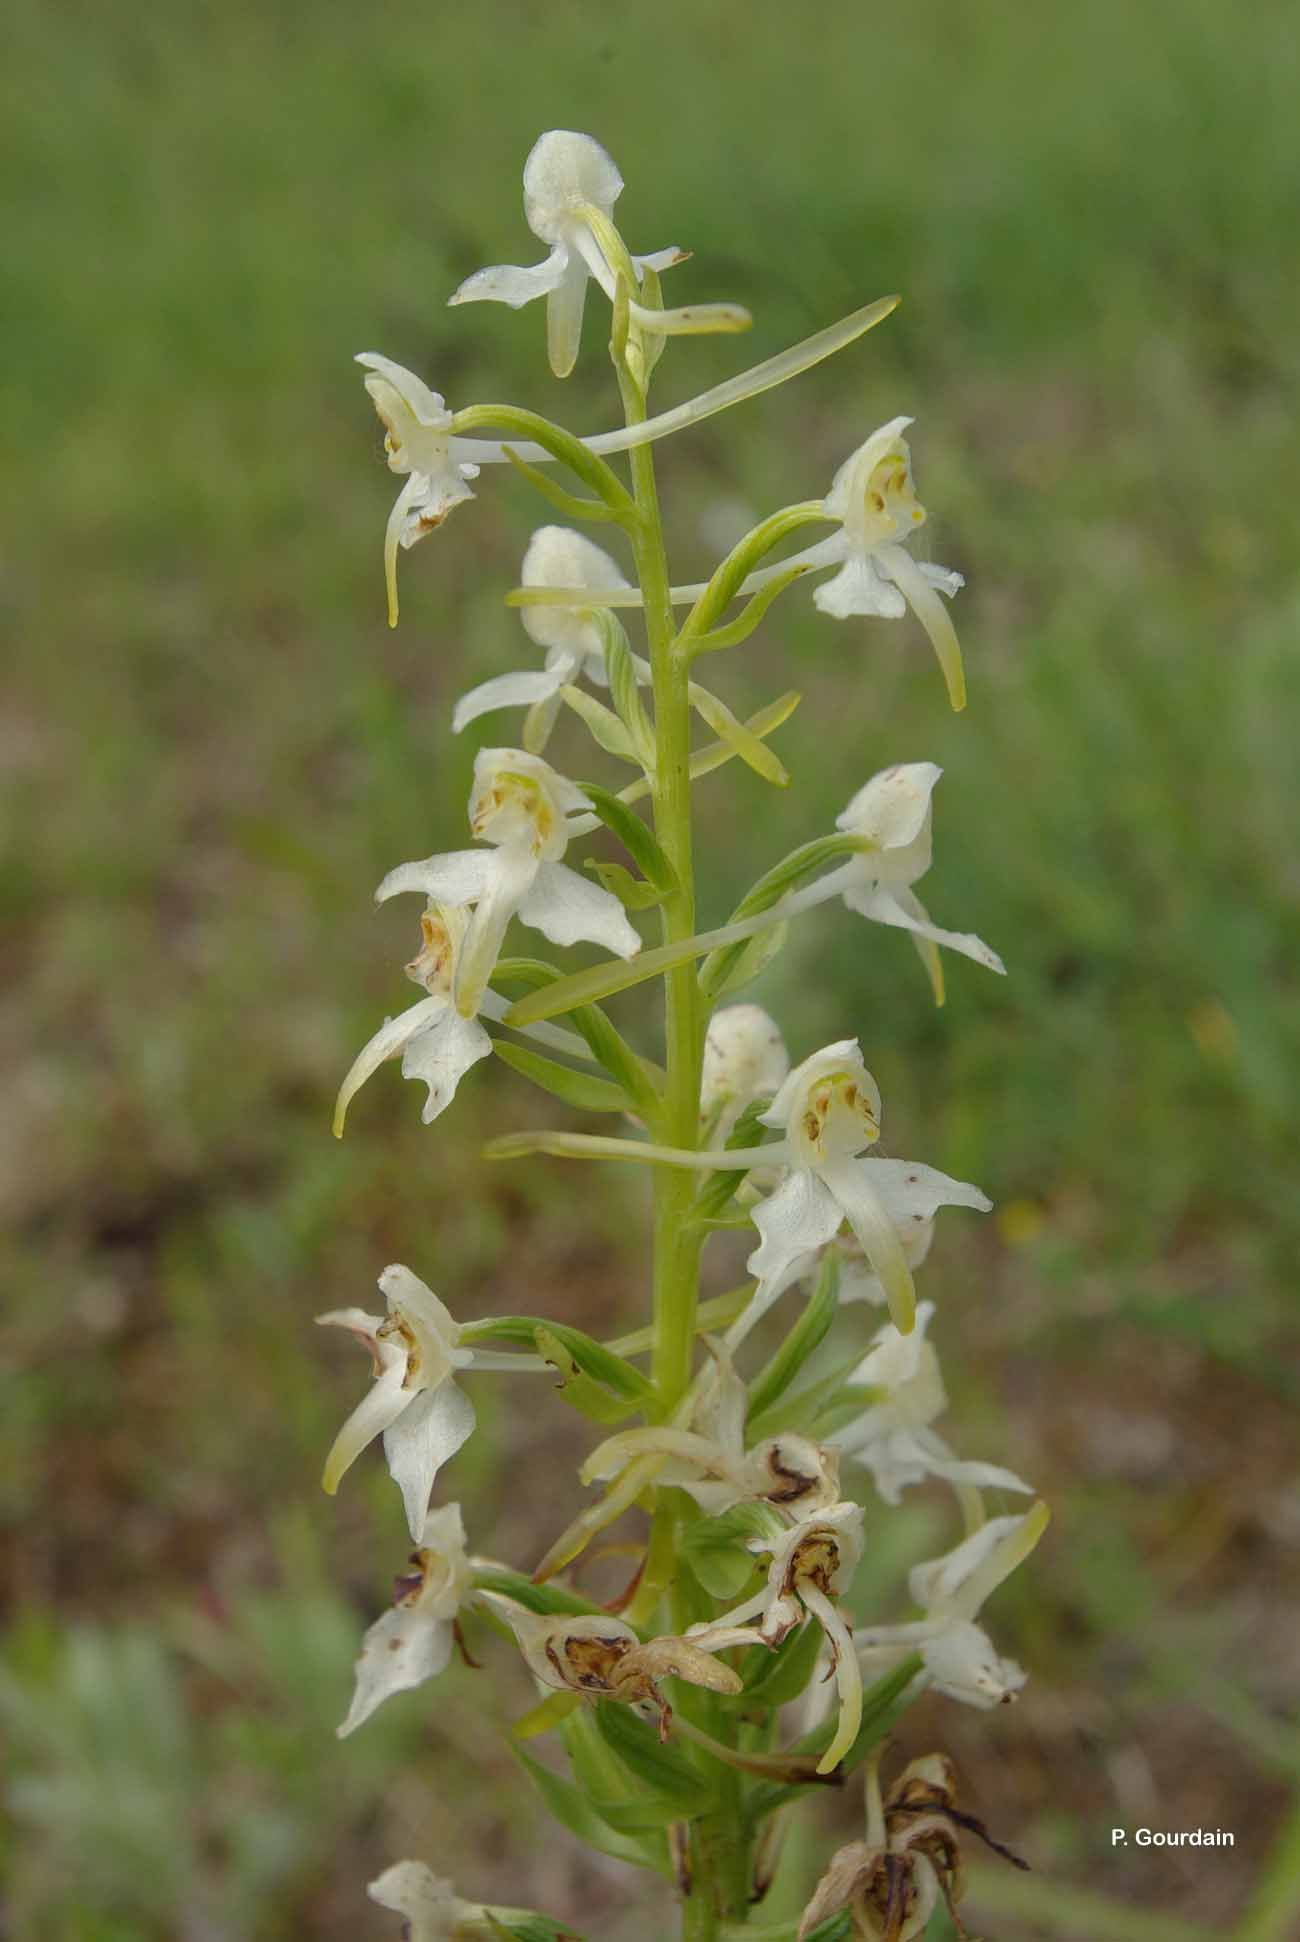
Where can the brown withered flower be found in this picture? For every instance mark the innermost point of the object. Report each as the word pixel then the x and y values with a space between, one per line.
pixel 602 1658
pixel 891 1882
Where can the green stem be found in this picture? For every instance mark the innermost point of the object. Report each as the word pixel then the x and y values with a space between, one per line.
pixel 677 1245
pixel 719 1852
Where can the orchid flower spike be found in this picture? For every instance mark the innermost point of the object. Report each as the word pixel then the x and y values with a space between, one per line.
pixel 430 1908
pixel 744 1059
pixel 413 1641
pixel 570 187
pixel 602 1658
pixel 810 1565
pixel 437 1044
pixel 958 1658
pixel 556 557
pixel 415 1402
pixel 518 805
pixel 892 1438
pixel 872 498
pixel 710 1462
pixel 829 1108
pixel 418 440
pixel 894 812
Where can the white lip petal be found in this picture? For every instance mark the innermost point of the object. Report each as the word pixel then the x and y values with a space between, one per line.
pixel 429 1431
pixel 389 1040
pixel 852 1184
pixel 401 1650
pixel 382 1404
pixel 459 877
pixel 794 1221
pixel 508 878
pixel 441 1055
pixel 919 589
pixel 564 308
pixel 510 283
pixel 569 909
pixel 509 691
pixel 900 908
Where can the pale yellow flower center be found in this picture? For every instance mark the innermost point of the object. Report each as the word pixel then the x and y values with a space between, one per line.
pixel 838 1116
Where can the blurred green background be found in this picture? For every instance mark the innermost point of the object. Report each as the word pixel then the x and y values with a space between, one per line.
pixel 212 748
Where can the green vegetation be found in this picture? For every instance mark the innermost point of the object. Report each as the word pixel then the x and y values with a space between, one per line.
pixel 213 748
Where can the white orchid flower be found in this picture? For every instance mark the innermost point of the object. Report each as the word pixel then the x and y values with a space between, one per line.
pixel 413 1641
pixel 894 812
pixel 418 440
pixel 829 1108
pixel 603 1658
pixel 810 1565
pixel 570 183
pixel 430 1908
pixel 709 1460
pixel 873 499
pixel 414 1402
pixel 744 1059
pixel 437 1045
pixel 958 1658
pixel 556 557
pixel 892 1438
pixel 518 804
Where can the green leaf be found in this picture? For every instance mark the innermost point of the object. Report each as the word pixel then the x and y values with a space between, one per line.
pixel 525 1925
pixel 603 1365
pixel 580 1089
pixel 780 1676
pixel 549 1600
pixel 642 1813
pixel 574 1811
pixel 809 860
pixel 653 1764
pixel 834 1410
pixel 808 1410
pixel 595 474
pixel 881 1707
pixel 634 893
pixel 719 1187
pixel 570 503
pixel 807 1335
pixel 608 1046
pixel 744 557
pixel 754 753
pixel 635 835
pixel 624 688
pixel 589 1397
pixel 737 965
pixel 715 1549
pixel 750 615
pixel 603 724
